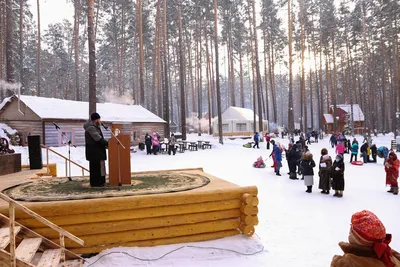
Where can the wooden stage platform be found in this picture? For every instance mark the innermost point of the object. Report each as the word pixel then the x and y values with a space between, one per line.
pixel 217 210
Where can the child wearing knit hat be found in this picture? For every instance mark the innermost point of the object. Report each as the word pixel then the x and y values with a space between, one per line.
pixel 368 244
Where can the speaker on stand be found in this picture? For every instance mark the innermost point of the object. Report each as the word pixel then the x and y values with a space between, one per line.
pixel 35 152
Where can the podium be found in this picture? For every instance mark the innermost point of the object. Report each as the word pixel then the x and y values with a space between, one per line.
pixel 119 170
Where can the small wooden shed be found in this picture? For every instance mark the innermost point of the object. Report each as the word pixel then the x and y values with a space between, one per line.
pixel 343 113
pixel 35 116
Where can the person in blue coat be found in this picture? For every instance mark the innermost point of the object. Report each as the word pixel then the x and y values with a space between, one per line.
pixel 278 158
pixel 256 140
pixel 354 151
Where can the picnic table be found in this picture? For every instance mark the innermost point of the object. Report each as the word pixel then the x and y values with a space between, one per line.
pixel 181 147
pixel 200 144
pixel 193 146
pixel 185 144
pixel 206 145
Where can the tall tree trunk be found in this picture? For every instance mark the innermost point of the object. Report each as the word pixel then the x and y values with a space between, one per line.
pixel 311 92
pixel 38 74
pixel 213 85
pixel 266 77
pixel 290 111
pixel 166 92
pixel 2 24
pixel 252 72
pixel 92 58
pixel 304 119
pixel 199 82
pixel 221 139
pixel 257 63
pixel 97 18
pixel 141 72
pixel 154 108
pixel 271 66
pixel 241 80
pixel 9 45
pixel 208 74
pixel 21 44
pixel 76 38
pixel 334 88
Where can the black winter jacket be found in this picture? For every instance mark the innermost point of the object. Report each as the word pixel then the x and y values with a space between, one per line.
pixel 95 143
pixel 308 167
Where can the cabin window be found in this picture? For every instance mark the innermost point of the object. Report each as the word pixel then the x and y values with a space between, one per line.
pixel 225 127
pixel 24 137
pixel 66 135
pixel 241 127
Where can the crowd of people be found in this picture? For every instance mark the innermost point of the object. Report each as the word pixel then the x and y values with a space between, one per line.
pixel 331 171
pixel 153 144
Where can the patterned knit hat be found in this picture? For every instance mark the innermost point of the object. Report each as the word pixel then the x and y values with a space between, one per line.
pixel 366 229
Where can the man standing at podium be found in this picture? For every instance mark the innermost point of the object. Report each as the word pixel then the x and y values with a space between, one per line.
pixel 95 151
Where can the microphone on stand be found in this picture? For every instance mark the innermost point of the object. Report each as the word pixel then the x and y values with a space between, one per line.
pixel 58 128
pixel 105 127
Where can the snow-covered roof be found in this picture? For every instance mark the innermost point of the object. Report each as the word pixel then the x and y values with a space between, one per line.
pixel 4 102
pixel 328 118
pixel 358 114
pixel 238 114
pixel 53 108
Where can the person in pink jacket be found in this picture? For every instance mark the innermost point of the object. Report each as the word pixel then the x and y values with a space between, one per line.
pixel 340 149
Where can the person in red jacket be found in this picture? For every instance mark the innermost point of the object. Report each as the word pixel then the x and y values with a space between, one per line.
pixel 392 173
pixel 267 139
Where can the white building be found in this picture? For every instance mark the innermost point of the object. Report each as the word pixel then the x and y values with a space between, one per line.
pixel 238 122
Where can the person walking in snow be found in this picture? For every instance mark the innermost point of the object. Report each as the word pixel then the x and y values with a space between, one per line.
pixel 338 176
pixel 308 138
pixel 267 139
pixel 340 148
pixel 293 161
pixel 307 165
pixel 148 142
pixel 332 140
pixel 278 158
pixel 325 165
pixel 354 151
pixel 256 139
pixel 392 173
pixel 171 145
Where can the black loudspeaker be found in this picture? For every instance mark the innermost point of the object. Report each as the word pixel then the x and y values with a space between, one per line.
pixel 35 152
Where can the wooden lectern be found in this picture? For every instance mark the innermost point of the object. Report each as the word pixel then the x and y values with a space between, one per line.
pixel 119 165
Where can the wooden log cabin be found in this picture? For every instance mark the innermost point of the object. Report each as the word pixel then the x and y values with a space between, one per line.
pixel 35 116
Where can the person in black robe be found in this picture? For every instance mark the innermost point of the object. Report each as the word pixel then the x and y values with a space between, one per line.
pixel 95 150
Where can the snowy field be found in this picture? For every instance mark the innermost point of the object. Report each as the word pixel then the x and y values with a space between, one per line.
pixel 295 229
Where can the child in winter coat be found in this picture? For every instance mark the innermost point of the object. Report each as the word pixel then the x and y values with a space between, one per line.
pixel 392 173
pixel 267 139
pixel 340 148
pixel 354 151
pixel 307 165
pixel 325 165
pixel 278 158
pixel 368 244
pixel 374 152
pixel 338 176
pixel 256 139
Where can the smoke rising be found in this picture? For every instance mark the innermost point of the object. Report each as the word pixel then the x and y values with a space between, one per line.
pixel 112 97
pixel 6 86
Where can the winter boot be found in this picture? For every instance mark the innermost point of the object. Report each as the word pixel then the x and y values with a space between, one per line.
pixel 278 174
pixel 391 190
pixel 336 194
pixel 309 189
pixel 395 190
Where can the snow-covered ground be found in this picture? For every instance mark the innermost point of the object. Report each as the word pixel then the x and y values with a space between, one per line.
pixel 295 229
